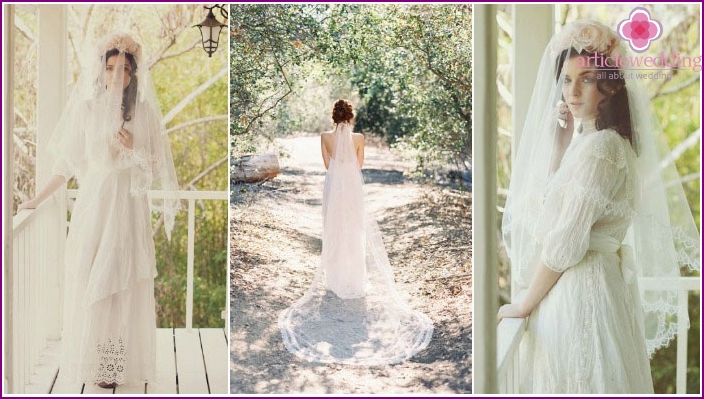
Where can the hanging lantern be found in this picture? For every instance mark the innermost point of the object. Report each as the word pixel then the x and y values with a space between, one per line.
pixel 210 29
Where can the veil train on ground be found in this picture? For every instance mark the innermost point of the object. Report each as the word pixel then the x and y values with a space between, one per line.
pixel 352 313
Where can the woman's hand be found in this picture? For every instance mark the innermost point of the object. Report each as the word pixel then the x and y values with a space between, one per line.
pixel 31 204
pixel 564 116
pixel 125 138
pixel 52 185
pixel 512 310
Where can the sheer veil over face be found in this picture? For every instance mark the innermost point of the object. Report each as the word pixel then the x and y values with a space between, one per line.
pixel 115 66
pixel 114 91
pixel 570 96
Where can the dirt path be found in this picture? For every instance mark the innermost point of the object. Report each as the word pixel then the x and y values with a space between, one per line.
pixel 276 248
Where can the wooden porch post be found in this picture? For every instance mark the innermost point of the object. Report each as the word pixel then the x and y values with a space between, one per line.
pixel 8 60
pixel 533 26
pixel 52 66
pixel 52 88
pixel 485 278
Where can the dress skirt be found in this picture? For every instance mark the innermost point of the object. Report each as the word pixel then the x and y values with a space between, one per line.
pixel 109 319
pixel 584 337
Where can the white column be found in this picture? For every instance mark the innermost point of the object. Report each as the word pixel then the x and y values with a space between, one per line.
pixel 485 278
pixel 190 262
pixel 52 93
pixel 8 63
pixel 52 66
pixel 533 26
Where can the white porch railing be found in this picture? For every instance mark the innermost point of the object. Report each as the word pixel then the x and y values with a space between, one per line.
pixel 33 318
pixel 510 333
pixel 33 314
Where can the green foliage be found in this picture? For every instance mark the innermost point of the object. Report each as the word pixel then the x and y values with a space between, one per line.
pixel 25 100
pixel 200 155
pixel 266 43
pixel 308 108
pixel 409 65
pixel 416 84
pixel 210 269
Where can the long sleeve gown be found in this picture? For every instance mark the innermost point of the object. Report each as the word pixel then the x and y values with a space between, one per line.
pixel 586 335
pixel 109 317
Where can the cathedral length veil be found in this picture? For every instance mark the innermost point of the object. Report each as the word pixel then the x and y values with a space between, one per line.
pixel 352 313
pixel 662 237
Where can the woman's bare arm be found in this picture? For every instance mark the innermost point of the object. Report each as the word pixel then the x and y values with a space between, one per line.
pixel 543 281
pixel 360 152
pixel 324 151
pixel 52 185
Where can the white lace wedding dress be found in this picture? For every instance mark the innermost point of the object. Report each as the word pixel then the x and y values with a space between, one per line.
pixel 586 336
pixel 352 313
pixel 109 315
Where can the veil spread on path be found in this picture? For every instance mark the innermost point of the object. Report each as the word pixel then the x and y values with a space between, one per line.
pixel 352 313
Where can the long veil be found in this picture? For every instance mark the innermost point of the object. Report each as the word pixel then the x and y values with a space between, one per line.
pixel 108 321
pixel 663 235
pixel 84 139
pixel 352 313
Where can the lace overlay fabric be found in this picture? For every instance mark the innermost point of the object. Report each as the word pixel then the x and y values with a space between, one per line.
pixel 112 362
pixel 600 203
pixel 109 318
pixel 352 313
pixel 591 311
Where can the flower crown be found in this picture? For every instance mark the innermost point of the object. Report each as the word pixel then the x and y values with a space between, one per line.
pixel 124 43
pixel 585 34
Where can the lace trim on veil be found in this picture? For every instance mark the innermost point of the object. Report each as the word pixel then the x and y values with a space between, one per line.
pixel 352 313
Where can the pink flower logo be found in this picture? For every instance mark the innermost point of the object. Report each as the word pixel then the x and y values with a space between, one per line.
pixel 639 29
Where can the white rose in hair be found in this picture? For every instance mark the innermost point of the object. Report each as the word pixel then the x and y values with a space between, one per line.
pixel 585 35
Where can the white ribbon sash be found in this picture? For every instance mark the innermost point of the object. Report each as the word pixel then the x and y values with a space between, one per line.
pixel 608 244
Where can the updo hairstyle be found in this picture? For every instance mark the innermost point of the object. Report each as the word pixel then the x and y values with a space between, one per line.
pixel 342 111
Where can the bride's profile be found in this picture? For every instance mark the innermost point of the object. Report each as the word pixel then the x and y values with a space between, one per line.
pixel 351 313
pixel 591 209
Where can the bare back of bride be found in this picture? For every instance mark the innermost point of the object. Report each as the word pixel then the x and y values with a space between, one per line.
pixel 352 313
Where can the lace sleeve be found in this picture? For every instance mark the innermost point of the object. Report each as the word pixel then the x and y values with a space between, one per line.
pixel 582 192
pixel 125 158
pixel 67 144
pixel 62 168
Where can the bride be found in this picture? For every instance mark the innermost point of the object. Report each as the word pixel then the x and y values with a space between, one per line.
pixel 352 313
pixel 110 137
pixel 591 208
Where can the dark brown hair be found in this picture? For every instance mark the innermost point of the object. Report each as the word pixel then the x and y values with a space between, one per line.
pixel 342 111
pixel 614 111
pixel 129 94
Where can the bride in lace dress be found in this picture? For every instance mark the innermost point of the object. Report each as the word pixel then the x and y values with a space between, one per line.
pixel 589 211
pixel 352 313
pixel 110 137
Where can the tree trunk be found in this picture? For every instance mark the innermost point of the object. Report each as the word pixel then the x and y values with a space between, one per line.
pixel 255 168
